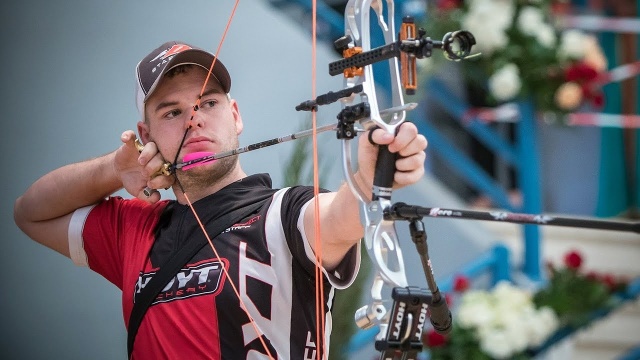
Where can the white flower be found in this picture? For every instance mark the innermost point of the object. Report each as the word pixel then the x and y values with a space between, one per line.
pixel 510 293
pixel 542 325
pixel 531 22
pixel 487 20
pixel 546 36
pixel 496 344
pixel 505 83
pixel 505 320
pixel 475 309
pixel 511 325
pixel 500 11
pixel 530 19
pixel 517 334
pixel 488 38
pixel 572 44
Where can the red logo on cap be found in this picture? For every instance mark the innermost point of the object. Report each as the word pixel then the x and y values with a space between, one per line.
pixel 178 48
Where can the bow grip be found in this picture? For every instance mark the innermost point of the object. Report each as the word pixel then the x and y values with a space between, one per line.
pixel 384 172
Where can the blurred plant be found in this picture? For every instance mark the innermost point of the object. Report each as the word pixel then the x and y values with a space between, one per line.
pixel 522 54
pixel 497 324
pixel 574 295
pixel 298 168
pixel 509 322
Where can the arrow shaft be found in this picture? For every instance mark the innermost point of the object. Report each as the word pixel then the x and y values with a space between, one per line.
pixel 258 145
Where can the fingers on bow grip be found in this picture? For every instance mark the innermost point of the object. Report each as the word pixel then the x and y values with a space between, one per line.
pixel 370 135
pixel 374 128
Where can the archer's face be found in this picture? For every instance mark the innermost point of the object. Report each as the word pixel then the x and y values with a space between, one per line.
pixel 215 126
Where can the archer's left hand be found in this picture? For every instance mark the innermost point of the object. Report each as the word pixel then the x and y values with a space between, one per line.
pixel 407 143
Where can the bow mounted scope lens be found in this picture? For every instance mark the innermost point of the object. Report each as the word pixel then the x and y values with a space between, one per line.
pixel 457 45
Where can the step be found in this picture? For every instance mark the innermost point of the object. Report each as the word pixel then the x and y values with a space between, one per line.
pixel 604 252
pixel 614 334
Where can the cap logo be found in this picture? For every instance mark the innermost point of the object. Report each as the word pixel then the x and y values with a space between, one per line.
pixel 166 55
pixel 171 51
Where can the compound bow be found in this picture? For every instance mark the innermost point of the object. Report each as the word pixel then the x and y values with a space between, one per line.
pixel 360 104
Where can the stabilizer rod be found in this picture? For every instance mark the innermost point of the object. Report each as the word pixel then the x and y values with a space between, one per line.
pixel 401 211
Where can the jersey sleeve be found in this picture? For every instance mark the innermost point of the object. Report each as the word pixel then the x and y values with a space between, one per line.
pixel 107 236
pixel 294 204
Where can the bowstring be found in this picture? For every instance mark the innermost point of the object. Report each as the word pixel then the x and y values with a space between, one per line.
pixel 233 285
pixel 189 125
pixel 319 284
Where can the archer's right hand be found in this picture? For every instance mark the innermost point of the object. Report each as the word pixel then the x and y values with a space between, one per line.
pixel 141 170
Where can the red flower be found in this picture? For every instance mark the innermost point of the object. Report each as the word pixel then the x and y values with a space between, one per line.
pixel 580 72
pixel 598 100
pixel 610 281
pixel 433 339
pixel 592 275
pixel 448 298
pixel 446 5
pixel 585 75
pixel 460 283
pixel 573 260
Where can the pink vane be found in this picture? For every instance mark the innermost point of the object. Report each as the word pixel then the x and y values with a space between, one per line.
pixel 195 156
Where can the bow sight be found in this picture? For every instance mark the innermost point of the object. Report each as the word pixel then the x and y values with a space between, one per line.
pixel 411 44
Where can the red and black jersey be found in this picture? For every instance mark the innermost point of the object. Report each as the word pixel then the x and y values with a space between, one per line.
pixel 197 315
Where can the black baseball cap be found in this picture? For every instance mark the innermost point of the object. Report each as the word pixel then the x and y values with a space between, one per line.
pixel 167 56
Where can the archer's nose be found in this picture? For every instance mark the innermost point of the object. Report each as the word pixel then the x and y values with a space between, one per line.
pixel 196 119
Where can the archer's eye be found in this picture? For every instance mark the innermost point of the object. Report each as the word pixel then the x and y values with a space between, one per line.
pixel 172 114
pixel 209 103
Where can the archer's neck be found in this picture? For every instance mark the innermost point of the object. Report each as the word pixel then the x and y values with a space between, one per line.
pixel 198 190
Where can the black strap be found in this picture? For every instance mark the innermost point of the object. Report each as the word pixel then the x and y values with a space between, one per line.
pixel 175 263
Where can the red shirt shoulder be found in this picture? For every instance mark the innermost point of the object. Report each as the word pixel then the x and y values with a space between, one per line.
pixel 118 234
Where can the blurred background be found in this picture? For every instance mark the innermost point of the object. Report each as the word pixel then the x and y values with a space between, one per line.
pixel 544 121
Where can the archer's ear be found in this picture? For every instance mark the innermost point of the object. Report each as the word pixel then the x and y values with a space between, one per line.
pixel 236 115
pixel 143 131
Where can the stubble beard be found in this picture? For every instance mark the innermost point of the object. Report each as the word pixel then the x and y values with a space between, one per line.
pixel 203 177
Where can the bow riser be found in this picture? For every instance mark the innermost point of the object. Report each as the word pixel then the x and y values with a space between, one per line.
pixel 380 238
pixel 357 26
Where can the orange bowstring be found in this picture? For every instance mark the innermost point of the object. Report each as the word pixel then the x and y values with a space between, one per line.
pixel 226 273
pixel 213 63
pixel 189 124
pixel 319 284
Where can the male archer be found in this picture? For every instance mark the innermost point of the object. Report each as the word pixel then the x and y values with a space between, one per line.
pixel 268 256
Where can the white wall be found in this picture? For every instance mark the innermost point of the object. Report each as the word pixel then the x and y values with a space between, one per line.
pixel 67 95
